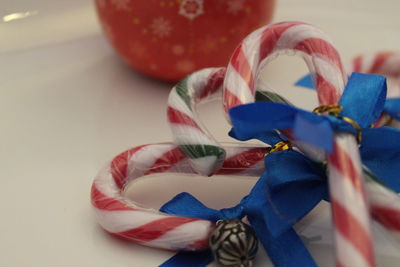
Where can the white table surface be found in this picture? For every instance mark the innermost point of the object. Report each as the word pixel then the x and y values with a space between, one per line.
pixel 68 104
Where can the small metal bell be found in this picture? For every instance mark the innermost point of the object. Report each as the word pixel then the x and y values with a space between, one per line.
pixel 233 243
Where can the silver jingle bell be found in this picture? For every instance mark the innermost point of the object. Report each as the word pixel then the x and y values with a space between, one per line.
pixel 233 243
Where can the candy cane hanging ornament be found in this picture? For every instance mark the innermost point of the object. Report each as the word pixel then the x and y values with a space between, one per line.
pixel 205 85
pixel 349 205
pixel 123 218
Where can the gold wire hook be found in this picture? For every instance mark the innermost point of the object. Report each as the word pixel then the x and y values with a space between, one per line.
pixel 334 110
pixel 280 146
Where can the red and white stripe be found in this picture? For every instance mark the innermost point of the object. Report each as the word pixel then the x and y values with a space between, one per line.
pixel 319 54
pixel 349 206
pixel 384 203
pixel 126 219
pixel 188 132
pixel 205 84
pixel 385 208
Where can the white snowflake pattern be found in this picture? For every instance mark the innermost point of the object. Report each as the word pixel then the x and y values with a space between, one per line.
pixel 191 8
pixel 234 6
pixel 161 27
pixel 121 4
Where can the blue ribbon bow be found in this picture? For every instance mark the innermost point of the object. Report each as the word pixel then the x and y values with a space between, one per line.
pixel 363 101
pixel 392 105
pixel 292 185
pixel 282 244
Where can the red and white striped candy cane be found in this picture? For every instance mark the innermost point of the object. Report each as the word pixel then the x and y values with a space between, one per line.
pixel 126 219
pixel 186 127
pixel 349 205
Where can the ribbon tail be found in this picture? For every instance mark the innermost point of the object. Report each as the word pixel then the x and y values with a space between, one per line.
pixel 285 250
pixel 314 130
pixel 189 258
pixel 251 120
pixel 184 204
pixel 306 82
pixel 380 152
pixel 269 207
pixel 282 184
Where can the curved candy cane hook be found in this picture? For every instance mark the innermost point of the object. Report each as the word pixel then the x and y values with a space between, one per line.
pixel 122 217
pixel 206 155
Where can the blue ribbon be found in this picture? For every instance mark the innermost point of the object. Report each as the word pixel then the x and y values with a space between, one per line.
pixel 293 185
pixel 363 101
pixel 392 105
pixel 282 244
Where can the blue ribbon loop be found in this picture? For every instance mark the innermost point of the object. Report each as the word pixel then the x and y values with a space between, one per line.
pixel 292 185
pixel 391 106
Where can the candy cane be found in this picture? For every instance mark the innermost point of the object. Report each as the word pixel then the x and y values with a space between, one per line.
pixel 205 84
pixel 126 219
pixel 204 152
pixel 349 206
